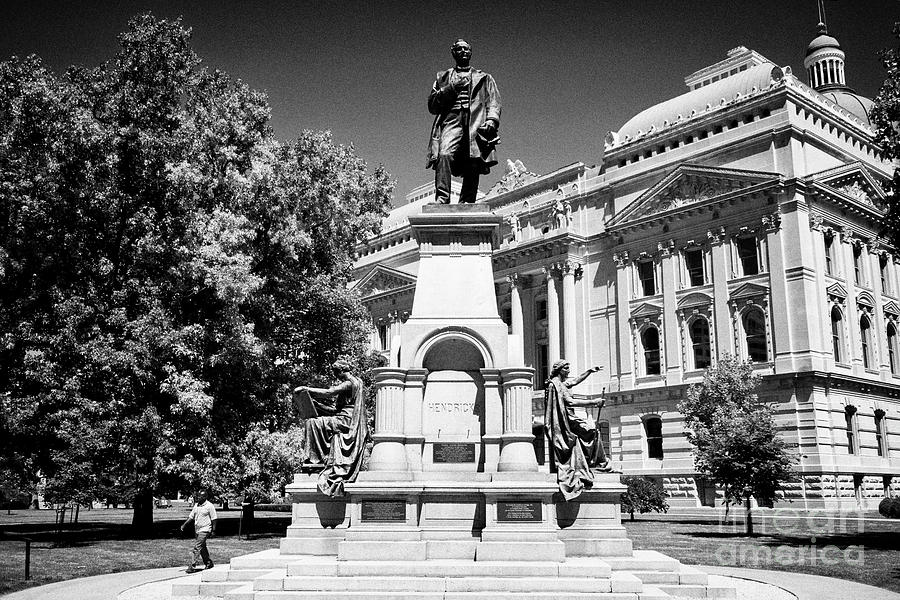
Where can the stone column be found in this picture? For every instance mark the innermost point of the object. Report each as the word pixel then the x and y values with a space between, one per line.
pixel 517 452
pixel 669 283
pixel 570 318
pixel 413 396
pixel 493 419
pixel 623 345
pixel 720 276
pixel 388 453
pixel 517 342
pixel 552 314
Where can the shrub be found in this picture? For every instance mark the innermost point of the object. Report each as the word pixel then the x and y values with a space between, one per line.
pixel 890 508
pixel 643 495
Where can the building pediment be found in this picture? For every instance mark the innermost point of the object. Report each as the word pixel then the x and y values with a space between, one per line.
pixel 836 290
pixel 865 299
pixel 749 290
pixel 695 299
pixel 689 185
pixel 646 309
pixel 891 308
pixel 382 279
pixel 853 183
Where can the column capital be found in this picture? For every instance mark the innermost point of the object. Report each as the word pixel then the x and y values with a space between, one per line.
pixel 716 235
pixel 621 258
pixel 772 222
pixel 514 279
pixel 666 247
pixel 571 267
pixel 816 221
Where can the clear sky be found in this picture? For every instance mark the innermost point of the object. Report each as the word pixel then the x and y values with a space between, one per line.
pixel 567 71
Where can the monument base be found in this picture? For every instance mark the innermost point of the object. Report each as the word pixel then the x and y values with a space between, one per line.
pixel 424 535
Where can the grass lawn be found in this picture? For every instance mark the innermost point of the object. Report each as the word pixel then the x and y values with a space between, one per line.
pixel 867 551
pixel 101 542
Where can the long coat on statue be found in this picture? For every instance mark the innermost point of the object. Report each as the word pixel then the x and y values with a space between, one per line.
pixel 484 103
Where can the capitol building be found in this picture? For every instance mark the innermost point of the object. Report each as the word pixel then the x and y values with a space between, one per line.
pixel 739 218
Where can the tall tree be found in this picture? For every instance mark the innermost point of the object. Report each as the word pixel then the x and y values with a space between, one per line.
pixel 885 117
pixel 168 268
pixel 735 438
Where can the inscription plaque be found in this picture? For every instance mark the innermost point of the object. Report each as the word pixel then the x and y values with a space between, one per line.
pixel 525 511
pixel 453 452
pixel 383 510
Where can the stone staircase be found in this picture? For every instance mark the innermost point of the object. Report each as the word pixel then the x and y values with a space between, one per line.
pixel 271 575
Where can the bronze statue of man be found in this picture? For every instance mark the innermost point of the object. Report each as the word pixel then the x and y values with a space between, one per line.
pixel 466 105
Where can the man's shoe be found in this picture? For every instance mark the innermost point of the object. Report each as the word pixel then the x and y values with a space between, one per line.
pixel 193 569
pixel 210 565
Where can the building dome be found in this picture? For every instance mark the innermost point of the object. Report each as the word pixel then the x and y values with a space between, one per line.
pixel 858 106
pixel 681 108
pixel 823 40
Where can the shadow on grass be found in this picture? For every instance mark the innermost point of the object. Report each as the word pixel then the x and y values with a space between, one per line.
pixel 874 541
pixel 86 534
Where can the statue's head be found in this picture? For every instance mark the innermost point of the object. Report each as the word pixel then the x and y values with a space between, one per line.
pixel 560 367
pixel 340 367
pixel 462 52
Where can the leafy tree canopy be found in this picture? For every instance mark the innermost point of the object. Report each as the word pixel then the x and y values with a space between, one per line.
pixel 735 438
pixel 885 117
pixel 167 268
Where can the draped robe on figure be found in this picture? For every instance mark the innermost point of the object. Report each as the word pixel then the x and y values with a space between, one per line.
pixel 575 444
pixel 338 440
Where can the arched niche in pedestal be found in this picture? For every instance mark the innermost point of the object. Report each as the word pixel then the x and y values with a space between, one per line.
pixel 453 411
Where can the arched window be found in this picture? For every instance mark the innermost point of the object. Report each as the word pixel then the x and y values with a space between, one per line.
pixel 650 341
pixel 837 333
pixel 865 338
pixel 755 334
pixel 699 330
pixel 892 347
pixel 653 431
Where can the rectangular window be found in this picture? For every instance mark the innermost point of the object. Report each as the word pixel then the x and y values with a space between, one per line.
pixel 850 420
pixel 883 271
pixel 647 277
pixel 383 336
pixel 879 433
pixel 541 368
pixel 603 426
pixel 540 309
pixel 653 429
pixel 857 265
pixel 748 255
pixel 829 254
pixel 693 263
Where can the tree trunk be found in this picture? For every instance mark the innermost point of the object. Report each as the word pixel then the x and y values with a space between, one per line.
pixel 142 519
pixel 632 515
pixel 749 518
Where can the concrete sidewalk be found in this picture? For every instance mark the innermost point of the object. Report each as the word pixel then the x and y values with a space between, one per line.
pixel 108 587
pixel 98 587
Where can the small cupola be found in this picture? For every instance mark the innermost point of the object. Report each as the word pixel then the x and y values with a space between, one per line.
pixel 824 62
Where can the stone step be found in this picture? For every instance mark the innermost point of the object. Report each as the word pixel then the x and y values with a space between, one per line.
pixel 520 551
pixel 643 560
pixel 657 577
pixel 186 586
pixel 329 567
pixel 245 592
pixel 689 575
pixel 598 547
pixel 493 595
pixel 699 591
pixel 438 584
pixel 396 550
pixel 264 559
pixel 218 588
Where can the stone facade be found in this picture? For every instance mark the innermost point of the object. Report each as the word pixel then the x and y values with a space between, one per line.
pixel 740 218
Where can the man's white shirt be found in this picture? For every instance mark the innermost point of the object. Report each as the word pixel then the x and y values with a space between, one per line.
pixel 203 516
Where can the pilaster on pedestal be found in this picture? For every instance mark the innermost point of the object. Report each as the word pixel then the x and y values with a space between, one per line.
pixel 388 452
pixel 517 452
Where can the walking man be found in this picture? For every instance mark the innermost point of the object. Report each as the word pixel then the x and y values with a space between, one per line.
pixel 204 517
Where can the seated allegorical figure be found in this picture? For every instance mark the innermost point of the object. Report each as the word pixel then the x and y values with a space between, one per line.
pixel 575 444
pixel 336 438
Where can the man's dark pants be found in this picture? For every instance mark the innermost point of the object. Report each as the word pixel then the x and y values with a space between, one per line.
pixel 453 159
pixel 200 551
